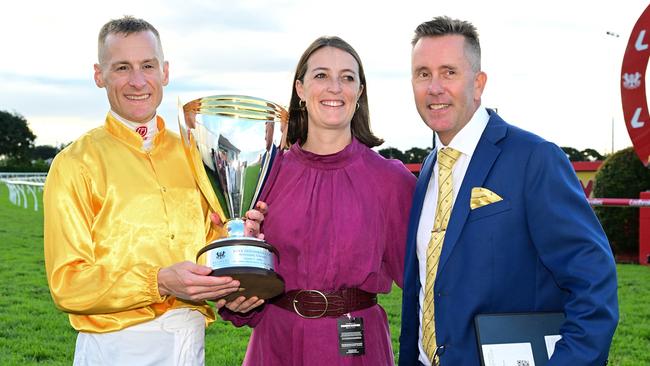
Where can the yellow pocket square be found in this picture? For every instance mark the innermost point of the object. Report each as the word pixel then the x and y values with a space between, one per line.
pixel 482 196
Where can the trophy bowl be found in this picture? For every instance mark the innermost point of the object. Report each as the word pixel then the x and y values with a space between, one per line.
pixel 231 142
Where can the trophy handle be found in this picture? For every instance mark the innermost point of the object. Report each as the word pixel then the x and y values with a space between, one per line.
pixel 194 160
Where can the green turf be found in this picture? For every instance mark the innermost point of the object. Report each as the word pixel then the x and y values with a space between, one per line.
pixel 631 345
pixel 33 331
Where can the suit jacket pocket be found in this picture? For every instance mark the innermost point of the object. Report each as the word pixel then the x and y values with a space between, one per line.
pixel 489 210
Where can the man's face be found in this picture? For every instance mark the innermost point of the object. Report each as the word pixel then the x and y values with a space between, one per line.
pixel 447 91
pixel 133 72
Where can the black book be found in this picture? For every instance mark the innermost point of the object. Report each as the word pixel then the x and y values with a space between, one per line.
pixel 517 339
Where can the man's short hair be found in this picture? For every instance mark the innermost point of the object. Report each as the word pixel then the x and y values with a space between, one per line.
pixel 444 25
pixel 126 25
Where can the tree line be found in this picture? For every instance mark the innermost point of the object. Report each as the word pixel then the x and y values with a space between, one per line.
pixel 17 149
pixel 416 155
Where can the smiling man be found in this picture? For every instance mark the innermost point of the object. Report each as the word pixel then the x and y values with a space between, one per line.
pixel 132 69
pixel 124 220
pixel 499 222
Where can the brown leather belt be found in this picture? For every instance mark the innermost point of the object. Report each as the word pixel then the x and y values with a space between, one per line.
pixel 312 304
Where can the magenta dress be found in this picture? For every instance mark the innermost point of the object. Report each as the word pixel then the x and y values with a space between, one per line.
pixel 338 221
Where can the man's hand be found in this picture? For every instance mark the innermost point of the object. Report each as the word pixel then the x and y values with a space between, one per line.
pixel 190 281
pixel 241 304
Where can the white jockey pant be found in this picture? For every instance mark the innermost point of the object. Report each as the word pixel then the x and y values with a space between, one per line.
pixel 173 339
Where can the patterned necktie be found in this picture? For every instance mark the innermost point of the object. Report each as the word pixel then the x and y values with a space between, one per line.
pixel 446 159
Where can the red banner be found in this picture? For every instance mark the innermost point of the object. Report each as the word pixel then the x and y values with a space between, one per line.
pixel 633 85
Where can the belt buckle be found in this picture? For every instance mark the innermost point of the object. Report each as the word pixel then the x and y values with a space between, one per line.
pixel 295 301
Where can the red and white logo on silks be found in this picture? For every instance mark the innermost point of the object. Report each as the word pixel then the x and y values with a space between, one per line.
pixel 142 131
pixel 633 84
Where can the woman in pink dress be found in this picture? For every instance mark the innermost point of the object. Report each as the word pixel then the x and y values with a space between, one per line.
pixel 338 215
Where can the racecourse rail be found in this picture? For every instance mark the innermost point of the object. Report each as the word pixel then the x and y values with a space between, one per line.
pixel 619 202
pixel 23 185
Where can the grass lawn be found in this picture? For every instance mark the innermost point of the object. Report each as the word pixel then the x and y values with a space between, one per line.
pixel 33 331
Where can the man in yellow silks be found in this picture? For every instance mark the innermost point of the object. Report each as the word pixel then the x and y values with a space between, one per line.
pixel 124 219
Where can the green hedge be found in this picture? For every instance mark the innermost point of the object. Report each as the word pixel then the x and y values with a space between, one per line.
pixel 12 166
pixel 622 175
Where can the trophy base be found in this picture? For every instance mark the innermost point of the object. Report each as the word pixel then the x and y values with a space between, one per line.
pixel 250 261
pixel 262 283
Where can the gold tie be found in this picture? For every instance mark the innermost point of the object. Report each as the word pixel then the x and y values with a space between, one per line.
pixel 446 159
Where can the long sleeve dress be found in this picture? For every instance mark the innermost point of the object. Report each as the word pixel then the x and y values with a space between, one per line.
pixel 338 221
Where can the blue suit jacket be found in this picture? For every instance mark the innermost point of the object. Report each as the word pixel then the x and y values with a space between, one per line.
pixel 539 249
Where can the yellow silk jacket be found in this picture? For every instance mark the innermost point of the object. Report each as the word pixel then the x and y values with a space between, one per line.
pixel 115 215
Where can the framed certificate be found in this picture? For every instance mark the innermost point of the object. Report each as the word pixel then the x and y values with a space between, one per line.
pixel 517 339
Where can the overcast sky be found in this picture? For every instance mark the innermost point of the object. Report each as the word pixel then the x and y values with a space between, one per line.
pixel 551 67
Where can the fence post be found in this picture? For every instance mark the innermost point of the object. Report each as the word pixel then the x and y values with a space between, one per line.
pixel 644 231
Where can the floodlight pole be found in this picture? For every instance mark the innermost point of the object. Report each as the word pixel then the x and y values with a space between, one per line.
pixel 615 35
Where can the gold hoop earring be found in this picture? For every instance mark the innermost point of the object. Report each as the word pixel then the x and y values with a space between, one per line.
pixel 302 104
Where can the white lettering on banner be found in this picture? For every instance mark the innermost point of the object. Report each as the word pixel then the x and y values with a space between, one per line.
pixel 635 123
pixel 639 45
pixel 640 203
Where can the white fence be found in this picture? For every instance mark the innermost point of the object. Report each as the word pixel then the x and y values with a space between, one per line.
pixel 23 185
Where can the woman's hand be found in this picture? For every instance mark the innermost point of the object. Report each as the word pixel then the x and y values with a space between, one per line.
pixel 252 220
pixel 241 304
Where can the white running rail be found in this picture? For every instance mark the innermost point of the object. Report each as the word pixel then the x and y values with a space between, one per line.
pixel 21 185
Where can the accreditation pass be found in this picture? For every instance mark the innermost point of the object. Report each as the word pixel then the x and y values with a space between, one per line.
pixel 351 336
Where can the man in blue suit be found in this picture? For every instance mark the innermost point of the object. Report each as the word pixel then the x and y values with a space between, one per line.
pixel 520 235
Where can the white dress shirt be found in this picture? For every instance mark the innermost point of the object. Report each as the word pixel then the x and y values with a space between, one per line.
pixel 151 129
pixel 465 142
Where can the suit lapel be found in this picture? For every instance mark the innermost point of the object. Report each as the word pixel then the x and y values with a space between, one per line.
pixel 411 274
pixel 421 187
pixel 483 158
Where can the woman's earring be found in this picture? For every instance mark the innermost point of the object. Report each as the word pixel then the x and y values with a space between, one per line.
pixel 357 106
pixel 302 104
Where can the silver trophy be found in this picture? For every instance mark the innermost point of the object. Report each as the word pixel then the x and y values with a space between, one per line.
pixel 234 139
